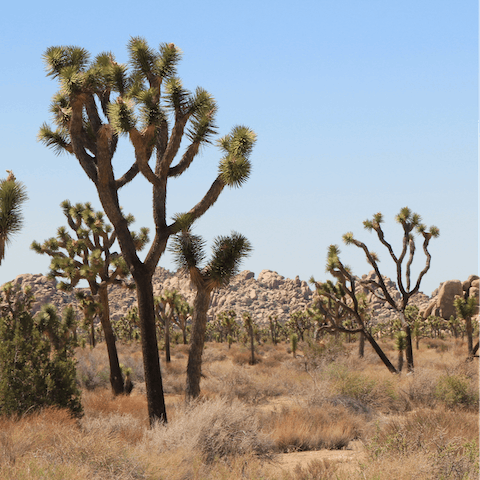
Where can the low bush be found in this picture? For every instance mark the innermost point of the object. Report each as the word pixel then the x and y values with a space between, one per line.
pixel 456 390
pixel 312 428
pixel 214 429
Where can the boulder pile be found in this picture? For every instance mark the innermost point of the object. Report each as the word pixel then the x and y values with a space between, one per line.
pixel 270 294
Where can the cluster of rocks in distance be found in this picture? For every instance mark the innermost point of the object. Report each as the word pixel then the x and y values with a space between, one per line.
pixel 269 295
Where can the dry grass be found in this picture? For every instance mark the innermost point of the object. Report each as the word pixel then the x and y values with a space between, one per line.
pixel 312 428
pixel 422 426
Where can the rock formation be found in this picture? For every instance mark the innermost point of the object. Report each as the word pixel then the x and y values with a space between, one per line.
pixel 269 294
pixel 441 304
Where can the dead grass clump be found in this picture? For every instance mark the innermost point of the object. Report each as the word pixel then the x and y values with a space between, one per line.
pixel 103 402
pixel 313 428
pixel 123 426
pixel 424 429
pixel 214 429
pixel 244 358
pixel 50 444
pixel 317 469
pixel 419 387
pixel 446 441
pixel 20 436
pixel 249 384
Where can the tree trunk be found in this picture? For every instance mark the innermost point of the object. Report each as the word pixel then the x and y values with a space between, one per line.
pixel 252 347
pixel 409 349
pixel 469 329
pixel 167 338
pixel 116 378
pixel 92 332
pixel 380 352
pixel 361 345
pixel 197 341
pixel 400 360
pixel 151 362
pixel 475 349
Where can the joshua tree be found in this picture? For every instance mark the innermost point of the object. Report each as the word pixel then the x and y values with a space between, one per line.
pixel 400 345
pixel 88 257
pixel 410 222
pixel 183 312
pixel 90 309
pixel 167 306
pixel 228 325
pixel 465 310
pixel 13 195
pixel 249 327
pixel 300 322
pixel 141 104
pixel 341 300
pixel 189 253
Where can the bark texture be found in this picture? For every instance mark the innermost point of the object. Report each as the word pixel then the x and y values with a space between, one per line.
pixel 197 342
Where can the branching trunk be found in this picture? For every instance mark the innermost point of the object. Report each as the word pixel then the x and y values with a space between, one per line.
pixel 197 342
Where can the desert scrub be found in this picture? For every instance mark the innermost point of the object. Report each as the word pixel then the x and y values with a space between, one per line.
pixel 377 392
pixel 446 442
pixel 456 391
pixel 311 428
pixel 214 429
pixel 249 384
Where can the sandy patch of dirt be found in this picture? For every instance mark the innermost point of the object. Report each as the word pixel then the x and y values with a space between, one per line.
pixel 349 458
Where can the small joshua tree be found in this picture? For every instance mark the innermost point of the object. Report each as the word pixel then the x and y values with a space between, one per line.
pixel 410 222
pixel 465 310
pixel 228 252
pixel 87 256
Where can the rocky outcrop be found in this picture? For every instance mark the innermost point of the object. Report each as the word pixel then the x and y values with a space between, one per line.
pixel 270 294
pixel 45 291
pixel 441 304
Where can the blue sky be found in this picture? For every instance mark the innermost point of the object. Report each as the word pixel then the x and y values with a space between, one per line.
pixel 359 107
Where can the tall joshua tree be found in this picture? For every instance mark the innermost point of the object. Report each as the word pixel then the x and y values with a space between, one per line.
pixel 87 256
pixel 13 195
pixel 149 104
pixel 189 253
pixel 410 222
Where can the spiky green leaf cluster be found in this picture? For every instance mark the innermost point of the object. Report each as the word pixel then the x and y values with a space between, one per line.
pixel 228 253
pixel 150 111
pixel 188 250
pixel 235 166
pixel 58 58
pixel 122 117
pixel 142 57
pixel 13 195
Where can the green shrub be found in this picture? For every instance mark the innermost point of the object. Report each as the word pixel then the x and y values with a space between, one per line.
pixel 37 367
pixel 456 390
pixel 369 391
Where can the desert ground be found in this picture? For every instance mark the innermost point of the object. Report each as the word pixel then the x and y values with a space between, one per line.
pixel 321 414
